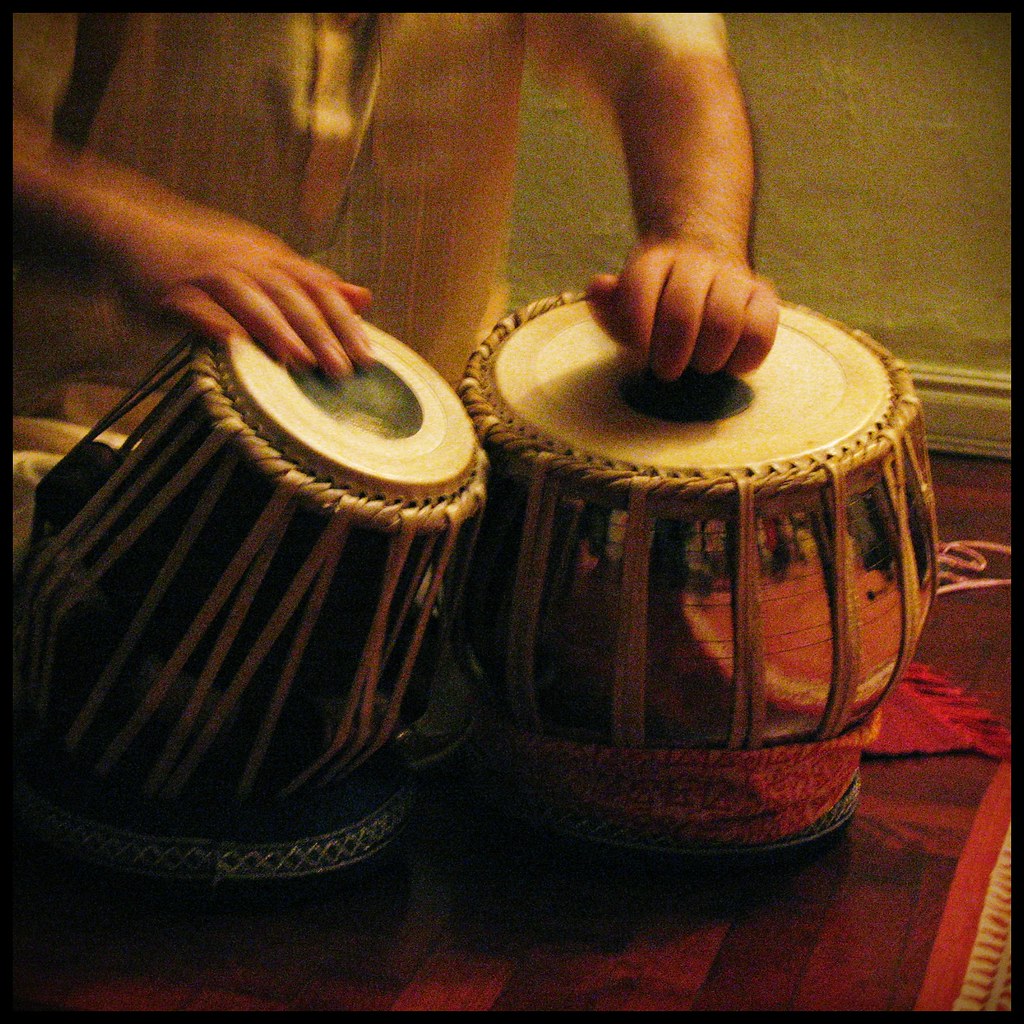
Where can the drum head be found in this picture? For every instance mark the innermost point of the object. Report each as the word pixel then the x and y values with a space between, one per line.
pixel 396 431
pixel 560 376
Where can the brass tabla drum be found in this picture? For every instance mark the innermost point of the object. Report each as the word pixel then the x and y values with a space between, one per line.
pixel 688 601
pixel 222 628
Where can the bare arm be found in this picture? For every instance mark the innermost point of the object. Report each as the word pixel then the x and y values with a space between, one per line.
pixel 213 272
pixel 687 294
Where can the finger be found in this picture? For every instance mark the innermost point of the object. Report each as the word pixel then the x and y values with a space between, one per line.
pixel 602 287
pixel 339 302
pixel 203 313
pixel 679 314
pixel 637 296
pixel 310 323
pixel 260 316
pixel 358 297
pixel 345 325
pixel 723 320
pixel 758 335
pixel 601 297
pixel 315 275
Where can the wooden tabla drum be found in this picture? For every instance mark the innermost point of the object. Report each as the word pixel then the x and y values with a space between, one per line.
pixel 221 631
pixel 688 601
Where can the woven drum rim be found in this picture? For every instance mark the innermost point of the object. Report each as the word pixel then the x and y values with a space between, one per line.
pixel 497 427
pixel 379 508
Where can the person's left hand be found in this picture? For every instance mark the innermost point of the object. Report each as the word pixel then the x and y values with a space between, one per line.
pixel 677 304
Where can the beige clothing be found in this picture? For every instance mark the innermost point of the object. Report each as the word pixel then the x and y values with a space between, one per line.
pixel 260 115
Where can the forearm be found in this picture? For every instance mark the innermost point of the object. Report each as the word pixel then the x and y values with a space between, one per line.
pixel 78 199
pixel 687 144
pixel 56 201
pixel 217 273
pixel 686 295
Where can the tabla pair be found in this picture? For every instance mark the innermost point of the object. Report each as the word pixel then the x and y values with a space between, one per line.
pixel 678 609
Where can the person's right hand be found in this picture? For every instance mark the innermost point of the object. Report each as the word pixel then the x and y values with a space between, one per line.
pixel 208 270
pixel 680 303
pixel 228 278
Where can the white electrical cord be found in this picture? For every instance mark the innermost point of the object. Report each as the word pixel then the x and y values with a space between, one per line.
pixel 957 557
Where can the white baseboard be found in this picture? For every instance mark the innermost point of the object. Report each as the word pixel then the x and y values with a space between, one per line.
pixel 965 411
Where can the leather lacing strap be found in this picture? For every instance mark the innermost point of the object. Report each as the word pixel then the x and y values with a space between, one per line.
pixel 242 578
pixel 922 475
pixel 387 719
pixel 325 553
pixel 357 734
pixel 747 726
pixel 845 624
pixel 359 712
pixel 56 597
pixel 527 591
pixel 630 685
pixel 161 583
pixel 39 581
pixel 895 474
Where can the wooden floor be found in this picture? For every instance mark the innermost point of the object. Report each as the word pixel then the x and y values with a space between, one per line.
pixel 475 914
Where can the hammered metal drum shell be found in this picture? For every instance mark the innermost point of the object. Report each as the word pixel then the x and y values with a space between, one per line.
pixel 755 580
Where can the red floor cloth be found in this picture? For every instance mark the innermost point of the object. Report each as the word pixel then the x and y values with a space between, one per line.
pixel 928 714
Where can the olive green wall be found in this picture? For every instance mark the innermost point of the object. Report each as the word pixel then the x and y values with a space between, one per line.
pixel 883 148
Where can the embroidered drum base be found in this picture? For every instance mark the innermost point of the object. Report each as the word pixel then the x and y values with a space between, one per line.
pixel 221 845
pixel 698 804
